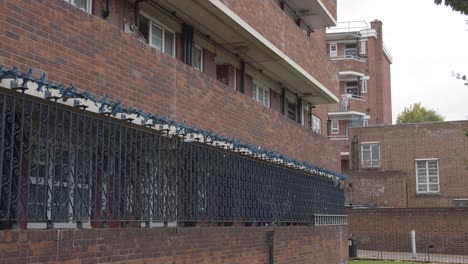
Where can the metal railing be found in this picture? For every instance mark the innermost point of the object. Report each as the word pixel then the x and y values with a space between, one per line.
pixel 346 102
pixel 61 166
pixel 349 26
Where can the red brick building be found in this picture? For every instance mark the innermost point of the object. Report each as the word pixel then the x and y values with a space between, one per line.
pixel 363 65
pixel 409 165
pixel 191 117
pixel 409 178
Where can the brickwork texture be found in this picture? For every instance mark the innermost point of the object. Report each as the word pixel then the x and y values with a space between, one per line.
pixel 318 245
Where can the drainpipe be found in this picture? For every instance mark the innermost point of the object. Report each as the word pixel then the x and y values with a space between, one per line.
pixel 242 77
pixel 299 110
pixel 283 101
pixel 187 39
pixel 137 13
pixel 106 13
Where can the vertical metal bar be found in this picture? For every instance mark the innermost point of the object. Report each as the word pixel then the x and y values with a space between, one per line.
pixel 68 170
pixel 95 197
pixel 53 162
pixel 61 158
pixel 11 151
pixel 2 138
pixel 19 164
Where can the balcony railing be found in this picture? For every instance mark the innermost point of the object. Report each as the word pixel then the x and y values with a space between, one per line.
pixel 349 26
pixel 65 167
pixel 349 57
pixel 346 103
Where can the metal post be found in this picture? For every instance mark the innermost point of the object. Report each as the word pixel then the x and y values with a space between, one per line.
pixel 413 242
pixel 271 244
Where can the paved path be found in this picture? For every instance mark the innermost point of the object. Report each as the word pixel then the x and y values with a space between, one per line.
pixel 434 258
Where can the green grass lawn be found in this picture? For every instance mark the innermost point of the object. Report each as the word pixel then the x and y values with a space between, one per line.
pixel 381 262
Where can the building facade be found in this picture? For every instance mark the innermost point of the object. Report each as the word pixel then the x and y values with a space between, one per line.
pixel 409 166
pixel 408 191
pixel 363 65
pixel 164 119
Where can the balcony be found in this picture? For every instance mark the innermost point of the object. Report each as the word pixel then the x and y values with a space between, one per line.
pixel 315 14
pixel 350 29
pixel 349 108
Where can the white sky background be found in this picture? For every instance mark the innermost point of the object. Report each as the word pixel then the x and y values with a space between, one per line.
pixel 427 42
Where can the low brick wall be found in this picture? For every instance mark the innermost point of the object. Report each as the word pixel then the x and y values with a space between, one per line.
pixel 319 245
pixel 389 229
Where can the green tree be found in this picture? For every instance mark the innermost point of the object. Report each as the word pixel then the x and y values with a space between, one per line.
pixel 417 113
pixel 457 5
pixel 460 77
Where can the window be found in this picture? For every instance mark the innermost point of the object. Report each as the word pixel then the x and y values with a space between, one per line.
pixel 364 86
pixel 261 94
pixel 197 58
pixel 350 50
pixel 335 127
pixel 333 50
pixel 365 122
pixel 370 155
pixel 316 124
pixel 427 176
pixel 84 5
pixel 363 47
pixel 157 35
pixel 292 111
pixel 352 88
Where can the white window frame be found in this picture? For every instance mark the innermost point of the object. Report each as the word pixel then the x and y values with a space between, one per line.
pixel 89 4
pixel 316 124
pixel 426 175
pixel 196 47
pixel 370 163
pixel 164 28
pixel 363 47
pixel 363 86
pixel 333 53
pixel 259 88
pixel 335 127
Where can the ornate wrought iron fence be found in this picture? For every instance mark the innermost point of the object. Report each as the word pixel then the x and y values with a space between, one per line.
pixel 63 166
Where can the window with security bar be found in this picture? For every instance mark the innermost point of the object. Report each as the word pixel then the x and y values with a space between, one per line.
pixel 427 175
pixel 370 155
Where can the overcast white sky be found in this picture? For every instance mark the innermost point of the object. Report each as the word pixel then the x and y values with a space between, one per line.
pixel 427 42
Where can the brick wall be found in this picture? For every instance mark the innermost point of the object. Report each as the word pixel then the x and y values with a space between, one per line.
pixel 400 145
pixel 319 245
pixel 389 229
pixel 377 189
pixel 72 46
